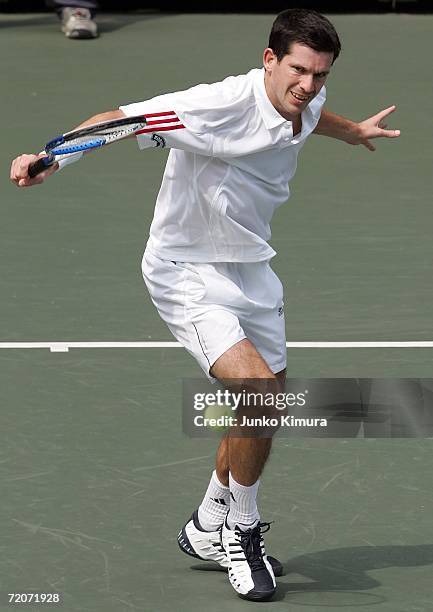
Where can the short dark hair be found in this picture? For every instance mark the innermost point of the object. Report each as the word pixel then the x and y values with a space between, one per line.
pixel 305 27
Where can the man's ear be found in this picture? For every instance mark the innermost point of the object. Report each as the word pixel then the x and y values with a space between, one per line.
pixel 269 59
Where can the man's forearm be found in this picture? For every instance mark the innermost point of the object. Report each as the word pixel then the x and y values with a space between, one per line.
pixel 101 117
pixel 338 127
pixel 354 133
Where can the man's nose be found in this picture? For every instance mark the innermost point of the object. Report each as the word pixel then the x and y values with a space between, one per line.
pixel 307 83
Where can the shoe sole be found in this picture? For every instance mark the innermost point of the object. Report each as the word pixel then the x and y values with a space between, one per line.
pixel 251 596
pixel 80 35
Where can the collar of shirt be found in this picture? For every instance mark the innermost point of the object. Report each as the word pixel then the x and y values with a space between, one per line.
pixel 271 117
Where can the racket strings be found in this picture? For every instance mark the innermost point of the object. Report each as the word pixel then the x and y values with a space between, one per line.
pixel 120 132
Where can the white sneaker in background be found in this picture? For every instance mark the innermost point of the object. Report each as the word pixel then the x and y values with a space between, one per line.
pixel 77 23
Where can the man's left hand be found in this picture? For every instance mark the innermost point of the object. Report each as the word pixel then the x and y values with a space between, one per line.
pixel 374 127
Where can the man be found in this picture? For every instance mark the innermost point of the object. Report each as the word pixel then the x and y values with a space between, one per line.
pixel 234 148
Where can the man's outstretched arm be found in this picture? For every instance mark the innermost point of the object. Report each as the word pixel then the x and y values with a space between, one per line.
pixel 354 133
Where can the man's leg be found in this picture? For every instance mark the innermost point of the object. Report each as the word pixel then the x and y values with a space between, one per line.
pixel 249 454
pixel 245 362
pixel 239 463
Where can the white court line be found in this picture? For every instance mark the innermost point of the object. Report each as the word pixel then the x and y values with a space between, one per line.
pixel 64 346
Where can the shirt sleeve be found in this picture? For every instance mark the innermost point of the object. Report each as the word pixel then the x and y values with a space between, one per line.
pixel 192 120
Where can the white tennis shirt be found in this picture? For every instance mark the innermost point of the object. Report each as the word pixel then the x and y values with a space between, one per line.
pixel 231 159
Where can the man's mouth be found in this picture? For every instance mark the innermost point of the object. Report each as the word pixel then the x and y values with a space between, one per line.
pixel 299 97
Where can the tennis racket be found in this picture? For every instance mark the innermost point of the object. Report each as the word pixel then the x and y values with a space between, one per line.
pixel 85 139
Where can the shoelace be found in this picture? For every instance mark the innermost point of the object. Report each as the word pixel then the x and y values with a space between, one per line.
pixel 80 14
pixel 250 541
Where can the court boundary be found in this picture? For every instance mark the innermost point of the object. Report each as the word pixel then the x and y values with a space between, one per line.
pixel 64 346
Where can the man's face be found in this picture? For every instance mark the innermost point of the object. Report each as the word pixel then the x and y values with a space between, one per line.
pixel 292 83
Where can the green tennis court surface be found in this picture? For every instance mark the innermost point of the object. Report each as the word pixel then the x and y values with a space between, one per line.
pixel 97 477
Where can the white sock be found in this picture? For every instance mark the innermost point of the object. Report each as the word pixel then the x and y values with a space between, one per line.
pixel 243 505
pixel 215 505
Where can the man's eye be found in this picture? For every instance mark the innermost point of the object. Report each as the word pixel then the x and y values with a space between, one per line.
pixel 298 68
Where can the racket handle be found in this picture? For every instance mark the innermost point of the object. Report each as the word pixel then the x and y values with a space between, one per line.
pixel 39 166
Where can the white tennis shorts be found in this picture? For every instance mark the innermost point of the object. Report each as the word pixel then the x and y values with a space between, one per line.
pixel 209 307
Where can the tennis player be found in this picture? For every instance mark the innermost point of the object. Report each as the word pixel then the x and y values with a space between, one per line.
pixel 234 148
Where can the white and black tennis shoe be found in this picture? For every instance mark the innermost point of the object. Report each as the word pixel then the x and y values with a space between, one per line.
pixel 194 541
pixel 206 545
pixel 250 571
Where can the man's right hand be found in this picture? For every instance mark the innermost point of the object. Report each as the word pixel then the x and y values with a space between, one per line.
pixel 19 170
